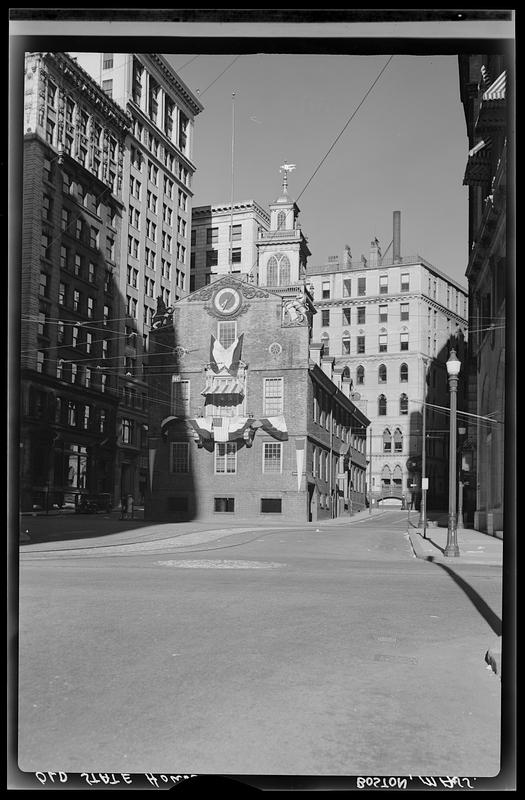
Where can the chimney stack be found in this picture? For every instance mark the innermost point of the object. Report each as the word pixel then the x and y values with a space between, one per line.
pixel 397 237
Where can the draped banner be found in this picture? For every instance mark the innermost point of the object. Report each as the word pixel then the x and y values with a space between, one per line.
pixel 276 427
pixel 300 445
pixel 228 357
pixel 152 453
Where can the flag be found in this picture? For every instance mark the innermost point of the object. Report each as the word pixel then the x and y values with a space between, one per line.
pixel 221 427
pixel 299 458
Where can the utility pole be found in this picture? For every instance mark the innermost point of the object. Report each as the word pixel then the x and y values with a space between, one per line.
pixel 423 520
pixel 370 474
pixel 230 265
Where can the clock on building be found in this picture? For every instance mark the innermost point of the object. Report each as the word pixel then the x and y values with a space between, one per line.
pixel 227 301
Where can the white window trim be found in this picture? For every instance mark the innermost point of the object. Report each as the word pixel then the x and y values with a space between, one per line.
pixel 265 397
pixel 272 472
pixel 225 456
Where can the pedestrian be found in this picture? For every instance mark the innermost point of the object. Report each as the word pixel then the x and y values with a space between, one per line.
pixel 129 506
pixel 123 507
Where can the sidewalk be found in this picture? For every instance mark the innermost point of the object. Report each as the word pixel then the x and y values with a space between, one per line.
pixel 475 547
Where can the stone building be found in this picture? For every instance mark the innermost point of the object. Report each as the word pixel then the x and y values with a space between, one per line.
pixel 157 174
pixel 483 92
pixel 74 141
pixel 214 252
pixel 389 323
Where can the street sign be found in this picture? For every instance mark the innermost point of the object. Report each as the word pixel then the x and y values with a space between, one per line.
pixel 424 483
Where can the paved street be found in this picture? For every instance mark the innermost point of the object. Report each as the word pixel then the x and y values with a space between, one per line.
pixel 315 650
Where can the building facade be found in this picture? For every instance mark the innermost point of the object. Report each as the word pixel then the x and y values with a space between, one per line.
pixel 244 421
pixel 74 140
pixel 483 92
pixel 215 251
pixel 389 324
pixel 157 174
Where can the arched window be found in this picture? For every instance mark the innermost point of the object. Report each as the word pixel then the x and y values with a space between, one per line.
pixel 325 341
pixel 346 343
pixel 360 375
pixel 403 373
pixel 281 220
pixel 397 476
pixel 284 271
pixel 387 441
pixel 271 271
pixel 386 476
pixel 381 373
pixel 381 405
pixel 346 373
pixel 398 441
pixel 403 404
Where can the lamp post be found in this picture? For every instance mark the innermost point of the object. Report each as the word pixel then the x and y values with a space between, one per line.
pixel 453 368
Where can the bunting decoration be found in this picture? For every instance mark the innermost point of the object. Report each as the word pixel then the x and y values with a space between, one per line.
pixel 276 427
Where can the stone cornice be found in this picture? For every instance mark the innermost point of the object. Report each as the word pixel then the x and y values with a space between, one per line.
pixel 175 82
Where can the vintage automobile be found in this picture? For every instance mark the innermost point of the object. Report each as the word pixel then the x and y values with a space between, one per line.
pixel 93 504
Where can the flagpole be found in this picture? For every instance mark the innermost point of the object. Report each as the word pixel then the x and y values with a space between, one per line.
pixel 230 265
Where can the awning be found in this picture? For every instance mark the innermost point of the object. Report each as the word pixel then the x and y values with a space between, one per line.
pixel 223 384
pixel 479 171
pixel 496 90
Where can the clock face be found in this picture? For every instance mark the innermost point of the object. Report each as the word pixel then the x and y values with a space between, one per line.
pixel 227 300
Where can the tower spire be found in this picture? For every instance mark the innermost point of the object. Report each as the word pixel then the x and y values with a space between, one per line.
pixel 285 169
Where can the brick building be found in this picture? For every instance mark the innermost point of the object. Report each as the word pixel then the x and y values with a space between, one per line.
pixel 244 420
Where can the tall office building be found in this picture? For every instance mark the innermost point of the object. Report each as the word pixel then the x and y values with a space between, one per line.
pixel 71 328
pixel 389 323
pixel 157 170
pixel 224 241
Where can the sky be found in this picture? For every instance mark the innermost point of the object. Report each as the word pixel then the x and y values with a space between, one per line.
pixel 405 148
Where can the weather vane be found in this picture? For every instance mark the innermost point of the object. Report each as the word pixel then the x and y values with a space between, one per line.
pixel 286 168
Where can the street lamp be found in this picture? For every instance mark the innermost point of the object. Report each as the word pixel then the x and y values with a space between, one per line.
pixel 453 368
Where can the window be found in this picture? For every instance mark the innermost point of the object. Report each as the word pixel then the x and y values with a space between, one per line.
pixel 398 441
pixel 235 233
pixel 405 281
pixel 110 248
pixel 51 93
pixel 273 397
pixel 281 220
pixel 107 87
pixel 127 430
pixel 50 131
pixel 183 200
pixel 226 333
pixel 387 441
pixel 133 247
pixel 271 505
pixel 383 342
pixel 382 374
pixel 225 458
pixel 403 373
pixel 361 286
pixel 347 287
pixel 45 245
pixel 62 288
pixel 74 336
pixel 76 300
pixel 383 313
pixel 180 396
pixel 134 187
pixel 107 60
pixel 360 344
pixel 346 343
pixel 91 307
pixel 403 404
pixel 404 311
pixel 93 237
pixel 404 341
pixel 153 173
pixel 179 457
pixel 87 414
pixel 325 341
pixel 360 375
pixel 40 361
pixel 224 504
pixel 386 476
pixel 383 284
pixel 166 241
pixel 151 230
pixel 167 214
pixel 272 456
pixel 325 317
pixel 73 373
pixel 278 270
pixel 168 187
pixel 346 316
pixel 325 290
pixel 181 252
pixel 381 405
pixel 44 283
pixel 77 466
pixel 236 255
pixel 89 341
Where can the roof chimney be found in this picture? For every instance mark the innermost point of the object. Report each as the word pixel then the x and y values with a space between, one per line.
pixel 397 237
pixel 375 253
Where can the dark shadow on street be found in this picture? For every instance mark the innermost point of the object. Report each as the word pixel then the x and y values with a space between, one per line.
pixel 486 612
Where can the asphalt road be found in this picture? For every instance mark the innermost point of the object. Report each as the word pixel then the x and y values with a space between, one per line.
pixel 328 651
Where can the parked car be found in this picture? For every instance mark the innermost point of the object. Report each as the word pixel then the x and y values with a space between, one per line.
pixel 93 504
